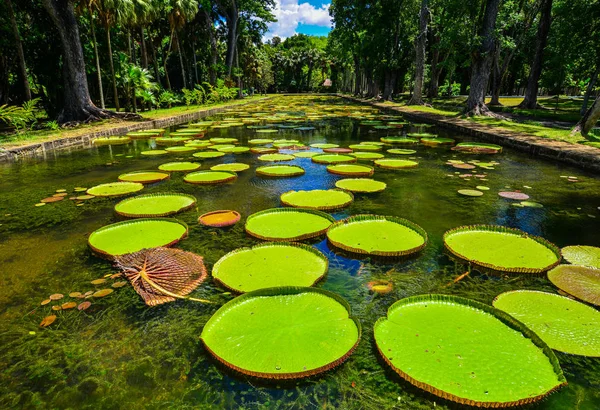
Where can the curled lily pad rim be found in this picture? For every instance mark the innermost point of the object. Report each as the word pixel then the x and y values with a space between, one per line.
pixel 335 169
pixel 499 228
pixel 232 177
pixel 282 291
pixel 164 175
pixel 261 171
pixel 290 210
pixel 370 217
pixel 506 319
pixel 105 255
pixel 303 246
pixel 320 208
pixel 156 195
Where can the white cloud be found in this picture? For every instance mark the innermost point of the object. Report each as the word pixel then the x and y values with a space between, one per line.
pixel 289 13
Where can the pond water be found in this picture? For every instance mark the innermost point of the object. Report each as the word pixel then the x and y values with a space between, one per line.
pixel 122 354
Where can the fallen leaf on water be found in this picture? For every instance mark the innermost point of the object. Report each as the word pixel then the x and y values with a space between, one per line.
pixel 57 296
pixel 119 284
pixel 48 320
pixel 68 305
pixel 45 302
pixel 98 281
pixel 84 305
pixel 56 307
pixel 102 292
pixel 75 294
pixel 116 275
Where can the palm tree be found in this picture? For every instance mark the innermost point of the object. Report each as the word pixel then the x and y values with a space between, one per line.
pixel 112 12
pixel 179 13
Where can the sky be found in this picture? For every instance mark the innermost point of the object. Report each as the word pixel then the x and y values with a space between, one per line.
pixel 300 16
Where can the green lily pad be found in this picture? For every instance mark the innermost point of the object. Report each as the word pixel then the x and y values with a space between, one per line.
pixel 421 135
pixel 275 157
pixel 154 152
pixel 399 140
pixel 111 141
pixel 580 281
pixel 280 171
pixel 467 352
pixel 332 159
pixel 502 249
pixel 222 140
pixel 395 163
pixel 154 205
pixel 260 141
pixel 478 148
pixel 377 235
pixel 209 154
pixel 266 131
pixel 564 324
pixel 221 147
pixel 210 177
pixel 305 154
pixel 137 234
pixel 142 134
pixel 233 167
pixel 282 333
pixel 323 145
pixel 144 177
pixel 181 149
pixel 353 170
pixel 433 142
pixel 235 150
pixel 370 156
pixel 179 166
pixel 270 265
pixel 361 185
pixel 470 192
pixel 175 140
pixel 365 147
pixel 115 189
pixel 324 200
pixel 198 144
pixel 288 224
pixel 398 151
pixel 582 255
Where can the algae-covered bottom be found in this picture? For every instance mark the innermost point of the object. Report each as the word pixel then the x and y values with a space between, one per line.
pixel 119 353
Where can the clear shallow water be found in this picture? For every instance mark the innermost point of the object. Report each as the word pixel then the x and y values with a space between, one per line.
pixel 121 354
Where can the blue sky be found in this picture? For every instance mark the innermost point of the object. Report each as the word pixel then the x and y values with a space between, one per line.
pixel 300 16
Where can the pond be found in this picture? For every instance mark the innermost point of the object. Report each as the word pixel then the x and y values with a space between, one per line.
pixel 120 353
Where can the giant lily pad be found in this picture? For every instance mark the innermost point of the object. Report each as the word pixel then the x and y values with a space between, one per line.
pixel 260 141
pixel 324 145
pixel 134 235
pixel 565 324
pixel 153 205
pixel 324 200
pixel 235 150
pixel 352 170
pixel 179 166
pixel 144 177
pixel 233 167
pixel 361 185
pixel 270 265
pixel 366 147
pixel 369 156
pixel 305 154
pixel 281 171
pixel 434 142
pixel 181 149
pixel 154 152
pixel 209 154
pixel 115 189
pixel 275 157
pixel 582 255
pixel 282 333
pixel 502 249
pixel 288 224
pixel 399 140
pixel 399 151
pixel 467 352
pixel 332 159
pixel 111 141
pixel 210 177
pixel 477 148
pixel 579 281
pixel 377 235
pixel 395 163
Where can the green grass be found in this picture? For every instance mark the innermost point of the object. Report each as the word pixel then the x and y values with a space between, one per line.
pixel 30 137
pixel 530 128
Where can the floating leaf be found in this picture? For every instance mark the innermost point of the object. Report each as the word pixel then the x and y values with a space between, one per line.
pixel 51 199
pixel 119 284
pixel 75 294
pixel 580 281
pixel 282 346
pixel 232 167
pixel 280 171
pixel 467 352
pixel 361 185
pixel 337 150
pixel 56 296
pixel 98 281
pixel 68 305
pixel 582 255
pixel 324 145
pixel 48 320
pixel 45 302
pixel 502 249
pixel 324 200
pixel 377 235
pixel 155 205
pixel 155 152
pixel 519 196
pixel 565 324
pixel 56 307
pixel 275 157
pixel 102 293
pixel 115 189
pixel 397 151
pixel 209 154
pixel 395 163
pixel 84 305
pixel 332 159
pixel 470 192
pixel 352 170
pixel 220 219
pixel 163 275
pixel 210 177
pixel 381 287
pixel 287 224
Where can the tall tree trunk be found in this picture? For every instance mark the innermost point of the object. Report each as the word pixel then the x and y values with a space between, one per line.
pixel 589 119
pixel 232 26
pixel 356 75
pixel 420 44
pixel 239 77
pixel 434 84
pixel 496 77
pixel 180 52
pixel 530 100
pixel 77 105
pixel 100 88
pixel 112 69
pixel 212 69
pixel 482 61
pixel 20 53
pixel 154 60
pixel 166 59
pixel 195 62
pixel 4 82
pixel 143 51
pixel 589 89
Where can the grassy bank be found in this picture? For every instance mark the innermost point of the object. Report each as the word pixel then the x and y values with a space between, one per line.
pixel 32 137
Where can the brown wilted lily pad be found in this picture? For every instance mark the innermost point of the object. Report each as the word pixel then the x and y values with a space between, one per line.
pixel 519 196
pixel 84 305
pixel 102 292
pixel 68 305
pixel 48 320
pixel 51 199
pixel 57 296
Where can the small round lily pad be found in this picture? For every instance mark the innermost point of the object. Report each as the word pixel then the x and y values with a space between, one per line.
pixel 324 145
pixel 233 167
pixel 324 200
pixel 369 156
pixel 395 163
pixel 210 177
pixel 275 157
pixel 219 219
pixel 209 154
pixel 398 151
pixel 361 185
pixel 115 189
pixel 305 154
pixel 144 177
pixel 154 152
pixel 353 170
pixel 179 166
pixel 564 324
pixel 519 196
pixel 470 192
pixel 280 171
pixel 332 159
